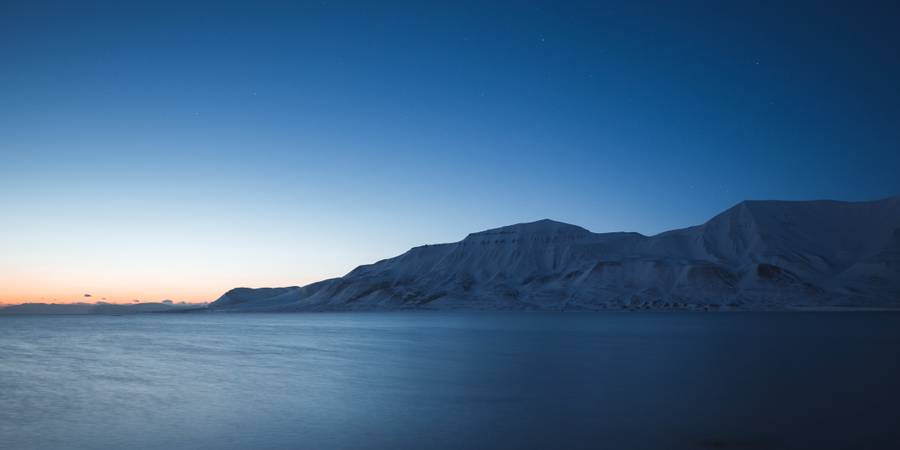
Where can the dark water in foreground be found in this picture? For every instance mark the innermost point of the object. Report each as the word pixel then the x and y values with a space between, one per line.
pixel 451 380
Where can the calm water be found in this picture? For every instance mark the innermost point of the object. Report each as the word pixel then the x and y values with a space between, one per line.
pixel 436 380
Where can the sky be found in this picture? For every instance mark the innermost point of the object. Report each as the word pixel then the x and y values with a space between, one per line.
pixel 174 150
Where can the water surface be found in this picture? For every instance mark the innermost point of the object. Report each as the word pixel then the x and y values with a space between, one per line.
pixel 451 380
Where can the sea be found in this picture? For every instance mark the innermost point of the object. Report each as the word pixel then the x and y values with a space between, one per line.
pixel 451 380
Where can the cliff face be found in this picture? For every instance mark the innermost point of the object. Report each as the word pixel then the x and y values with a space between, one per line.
pixel 758 254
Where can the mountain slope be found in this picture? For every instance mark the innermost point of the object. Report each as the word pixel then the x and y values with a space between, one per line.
pixel 757 254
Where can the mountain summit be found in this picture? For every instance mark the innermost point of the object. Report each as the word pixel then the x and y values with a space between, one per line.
pixel 755 255
pixel 544 227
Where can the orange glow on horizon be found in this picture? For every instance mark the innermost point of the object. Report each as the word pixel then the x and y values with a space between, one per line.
pixel 17 288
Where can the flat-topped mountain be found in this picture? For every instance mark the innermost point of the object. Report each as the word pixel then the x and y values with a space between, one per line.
pixel 755 255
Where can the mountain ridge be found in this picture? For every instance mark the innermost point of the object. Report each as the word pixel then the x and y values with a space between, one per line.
pixel 758 254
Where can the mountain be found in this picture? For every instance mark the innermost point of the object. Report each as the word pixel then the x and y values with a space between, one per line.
pixel 97 308
pixel 755 255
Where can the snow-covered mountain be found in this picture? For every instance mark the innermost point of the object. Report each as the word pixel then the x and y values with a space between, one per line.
pixel 756 255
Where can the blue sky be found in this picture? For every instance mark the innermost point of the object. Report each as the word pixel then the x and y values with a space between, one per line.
pixel 174 150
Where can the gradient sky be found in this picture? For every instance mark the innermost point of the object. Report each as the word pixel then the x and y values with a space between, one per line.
pixel 175 150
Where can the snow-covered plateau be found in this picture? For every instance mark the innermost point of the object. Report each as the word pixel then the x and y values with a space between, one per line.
pixel 755 255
